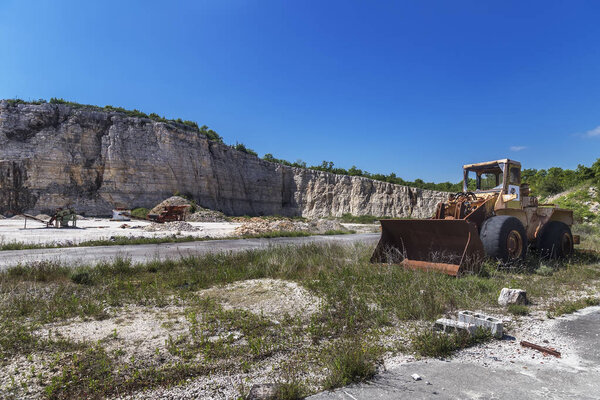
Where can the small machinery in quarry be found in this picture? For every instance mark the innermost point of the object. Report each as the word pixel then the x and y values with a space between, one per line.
pixel 497 218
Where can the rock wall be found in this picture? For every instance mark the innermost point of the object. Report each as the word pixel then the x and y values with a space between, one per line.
pixel 56 155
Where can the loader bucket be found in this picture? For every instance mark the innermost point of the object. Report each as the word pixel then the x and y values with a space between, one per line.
pixel 449 246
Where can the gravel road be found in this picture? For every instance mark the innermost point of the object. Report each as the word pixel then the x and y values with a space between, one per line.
pixel 147 252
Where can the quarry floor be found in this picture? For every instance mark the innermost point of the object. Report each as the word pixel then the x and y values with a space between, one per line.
pixel 497 369
pixel 33 232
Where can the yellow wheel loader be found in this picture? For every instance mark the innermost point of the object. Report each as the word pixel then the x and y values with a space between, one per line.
pixel 497 218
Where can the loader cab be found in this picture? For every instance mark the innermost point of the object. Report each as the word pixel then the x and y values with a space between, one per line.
pixel 500 176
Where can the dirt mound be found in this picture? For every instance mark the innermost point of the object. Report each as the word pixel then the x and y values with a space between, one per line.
pixel 257 226
pixel 171 201
pixel 171 226
pixel 271 297
pixel 205 215
pixel 43 216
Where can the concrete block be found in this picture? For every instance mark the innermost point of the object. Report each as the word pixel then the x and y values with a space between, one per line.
pixel 452 325
pixel 482 320
pixel 512 296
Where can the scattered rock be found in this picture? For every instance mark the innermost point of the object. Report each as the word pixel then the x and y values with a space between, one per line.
pixel 171 226
pixel 416 377
pixel 512 296
pixel 205 215
pixel 257 226
pixel 124 226
pixel 265 391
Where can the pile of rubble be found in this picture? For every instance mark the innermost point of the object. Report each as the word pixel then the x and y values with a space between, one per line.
pixel 258 226
pixel 205 215
pixel 179 226
pixel 171 201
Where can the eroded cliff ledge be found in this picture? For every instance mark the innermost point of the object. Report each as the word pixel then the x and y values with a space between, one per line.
pixel 52 155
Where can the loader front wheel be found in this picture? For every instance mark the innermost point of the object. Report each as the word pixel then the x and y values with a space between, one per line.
pixel 503 238
pixel 555 240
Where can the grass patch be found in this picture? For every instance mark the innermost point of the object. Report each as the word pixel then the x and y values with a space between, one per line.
pixel 518 309
pixel 569 307
pixel 349 362
pixel 359 219
pixel 432 343
pixel 140 212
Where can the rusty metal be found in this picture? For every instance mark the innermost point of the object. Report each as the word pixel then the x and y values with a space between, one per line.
pixel 170 214
pixel 451 246
pixel 543 349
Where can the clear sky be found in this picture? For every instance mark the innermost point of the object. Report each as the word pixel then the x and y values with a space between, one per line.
pixel 417 88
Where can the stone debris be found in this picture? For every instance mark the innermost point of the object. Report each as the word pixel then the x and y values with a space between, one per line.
pixel 264 391
pixel 482 320
pixel 447 325
pixel 171 201
pixel 512 296
pixel 416 377
pixel 205 215
pixel 257 226
pixel 171 226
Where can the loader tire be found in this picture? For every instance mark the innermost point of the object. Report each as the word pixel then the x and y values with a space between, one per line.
pixel 504 238
pixel 555 240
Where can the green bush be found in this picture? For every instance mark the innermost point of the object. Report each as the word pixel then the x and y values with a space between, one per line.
pixel 241 147
pixel 359 219
pixel 140 212
pixel 351 361
pixel 518 309
pixel 432 343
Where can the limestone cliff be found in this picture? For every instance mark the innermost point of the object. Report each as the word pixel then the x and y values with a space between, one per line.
pixel 53 155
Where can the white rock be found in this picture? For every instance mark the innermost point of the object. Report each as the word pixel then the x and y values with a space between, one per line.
pixel 416 377
pixel 512 296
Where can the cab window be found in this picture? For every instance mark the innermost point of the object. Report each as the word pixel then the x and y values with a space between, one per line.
pixel 515 176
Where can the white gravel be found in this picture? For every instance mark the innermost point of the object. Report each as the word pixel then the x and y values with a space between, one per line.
pixel 12 230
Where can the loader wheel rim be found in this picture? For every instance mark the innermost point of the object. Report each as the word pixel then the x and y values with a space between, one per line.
pixel 566 244
pixel 514 244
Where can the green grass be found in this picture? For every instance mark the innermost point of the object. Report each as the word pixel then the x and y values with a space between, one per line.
pixel 569 307
pixel 342 341
pixel 140 212
pixel 576 201
pixel 351 361
pixel 518 309
pixel 432 343
pixel 359 219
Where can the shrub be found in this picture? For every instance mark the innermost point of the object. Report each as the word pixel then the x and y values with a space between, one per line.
pixel 518 309
pixel 350 362
pixel 140 212
pixel 241 147
pixel 432 343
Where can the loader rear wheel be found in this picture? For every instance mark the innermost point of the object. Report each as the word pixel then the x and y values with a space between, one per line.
pixel 555 240
pixel 503 238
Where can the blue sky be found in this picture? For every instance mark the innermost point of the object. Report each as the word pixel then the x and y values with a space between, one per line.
pixel 416 88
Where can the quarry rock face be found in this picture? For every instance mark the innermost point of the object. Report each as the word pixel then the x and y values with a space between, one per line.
pixel 53 155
